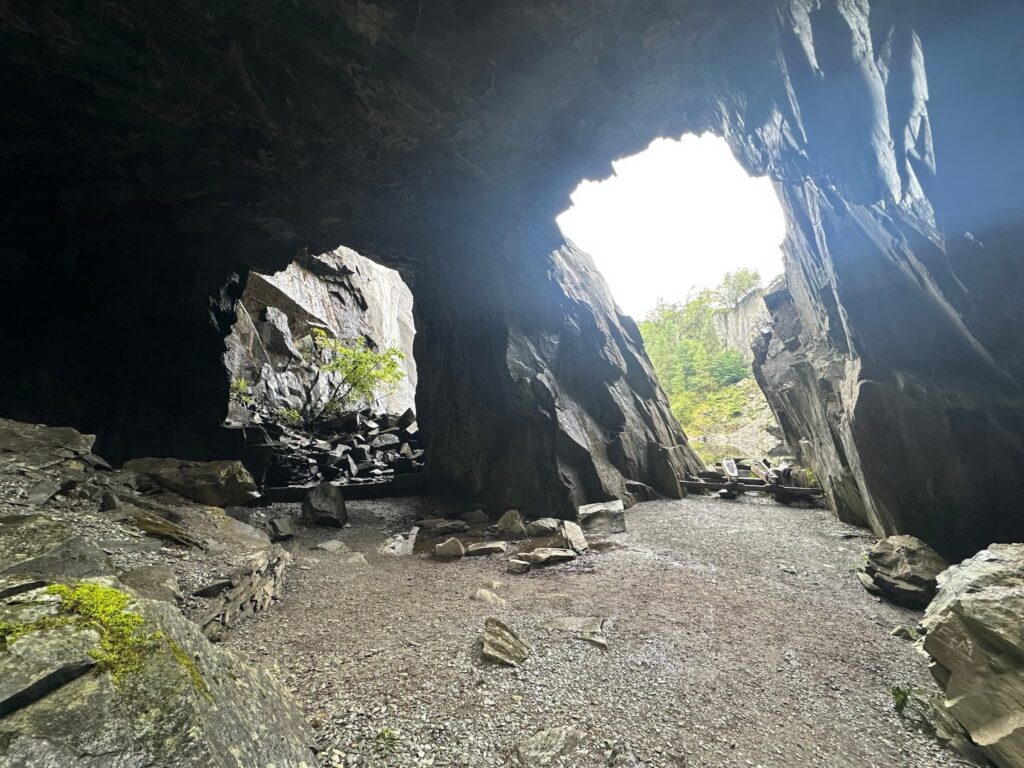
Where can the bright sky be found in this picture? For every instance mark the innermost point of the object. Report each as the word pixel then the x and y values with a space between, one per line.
pixel 675 217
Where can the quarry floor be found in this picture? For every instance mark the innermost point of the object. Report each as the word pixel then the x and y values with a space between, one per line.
pixel 738 636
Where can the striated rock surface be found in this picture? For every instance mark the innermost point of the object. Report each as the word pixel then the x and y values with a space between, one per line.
pixel 904 569
pixel 975 638
pixel 340 291
pixel 172 153
pixel 215 483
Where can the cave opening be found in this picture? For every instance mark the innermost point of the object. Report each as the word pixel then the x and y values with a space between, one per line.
pixel 323 378
pixel 688 242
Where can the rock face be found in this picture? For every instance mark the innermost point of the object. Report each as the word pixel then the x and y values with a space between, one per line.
pixel 176 158
pixel 216 483
pixel 340 291
pixel 904 569
pixel 86 669
pixel 975 638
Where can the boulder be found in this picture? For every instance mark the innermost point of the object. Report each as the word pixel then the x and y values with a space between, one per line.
pixel 501 645
pixel 325 505
pixel 475 516
pixel 487 597
pixel 574 537
pixel 603 517
pixel 518 566
pixel 545 526
pixel 450 549
pixel 903 569
pixel 974 636
pixel 281 528
pixel 545 748
pixel 510 525
pixel 215 483
pixel 487 548
pixel 157 582
pixel 547 556
pixel 166 697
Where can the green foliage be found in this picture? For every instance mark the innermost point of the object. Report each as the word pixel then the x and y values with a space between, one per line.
pixel 290 416
pixel 900 698
pixel 708 385
pixel 239 391
pixel 386 741
pixel 354 375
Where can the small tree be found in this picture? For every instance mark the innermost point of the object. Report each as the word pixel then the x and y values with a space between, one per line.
pixel 356 374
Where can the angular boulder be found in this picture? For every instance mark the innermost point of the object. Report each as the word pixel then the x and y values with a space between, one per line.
pixel 501 645
pixel 603 517
pixel 215 483
pixel 904 569
pixel 325 505
pixel 545 526
pixel 516 565
pixel 573 535
pixel 133 681
pixel 974 635
pixel 487 548
pixel 548 556
pixel 450 549
pixel 510 525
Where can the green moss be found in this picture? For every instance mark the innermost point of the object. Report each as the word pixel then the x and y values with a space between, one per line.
pixel 189 664
pixel 124 645
pixel 11 632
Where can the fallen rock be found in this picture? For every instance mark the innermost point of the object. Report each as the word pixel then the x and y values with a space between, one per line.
pixel 975 638
pixel 903 569
pixel 545 526
pixel 356 558
pixel 475 516
pixel 488 597
pixel 254 587
pixel 157 582
pixel 603 517
pixel 451 549
pixel 545 747
pixel 501 645
pixel 487 548
pixel 510 525
pixel 216 483
pixel 325 505
pixel 588 628
pixel 574 537
pixel 518 566
pixel 547 556
pixel 440 526
pixel 281 528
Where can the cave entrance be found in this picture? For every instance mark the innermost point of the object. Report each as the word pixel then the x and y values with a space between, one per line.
pixel 688 242
pixel 323 380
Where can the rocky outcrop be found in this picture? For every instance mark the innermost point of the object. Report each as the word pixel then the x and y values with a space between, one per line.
pixel 904 569
pixel 975 638
pixel 171 153
pixel 738 327
pixel 89 671
pixel 341 292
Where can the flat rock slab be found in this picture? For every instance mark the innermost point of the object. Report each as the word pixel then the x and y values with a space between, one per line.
pixel 487 548
pixel 518 566
pixel 501 645
pixel 41 662
pixel 545 748
pixel 588 628
pixel 574 537
pixel 903 569
pixel 157 582
pixel 547 556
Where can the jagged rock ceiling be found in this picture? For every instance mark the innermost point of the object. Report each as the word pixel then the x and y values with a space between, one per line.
pixel 160 150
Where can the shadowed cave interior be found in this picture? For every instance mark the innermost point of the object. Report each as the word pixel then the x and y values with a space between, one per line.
pixel 158 156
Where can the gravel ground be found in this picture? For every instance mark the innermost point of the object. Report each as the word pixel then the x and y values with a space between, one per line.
pixel 738 636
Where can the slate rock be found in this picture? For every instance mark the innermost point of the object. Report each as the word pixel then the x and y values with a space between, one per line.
pixel 439 526
pixel 545 526
pixel 475 516
pixel 156 582
pixel 36 546
pixel 41 662
pixel 603 517
pixel 545 747
pixel 215 483
pixel 451 549
pixel 547 556
pixel 518 566
pixel 332 546
pixel 501 645
pixel 325 505
pixel 975 637
pixel 573 535
pixel 510 525
pixel 487 548
pixel 588 628
pixel 281 528
pixel 487 597
pixel 904 569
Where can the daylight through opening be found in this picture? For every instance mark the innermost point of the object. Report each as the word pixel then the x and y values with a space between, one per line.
pixel 687 242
